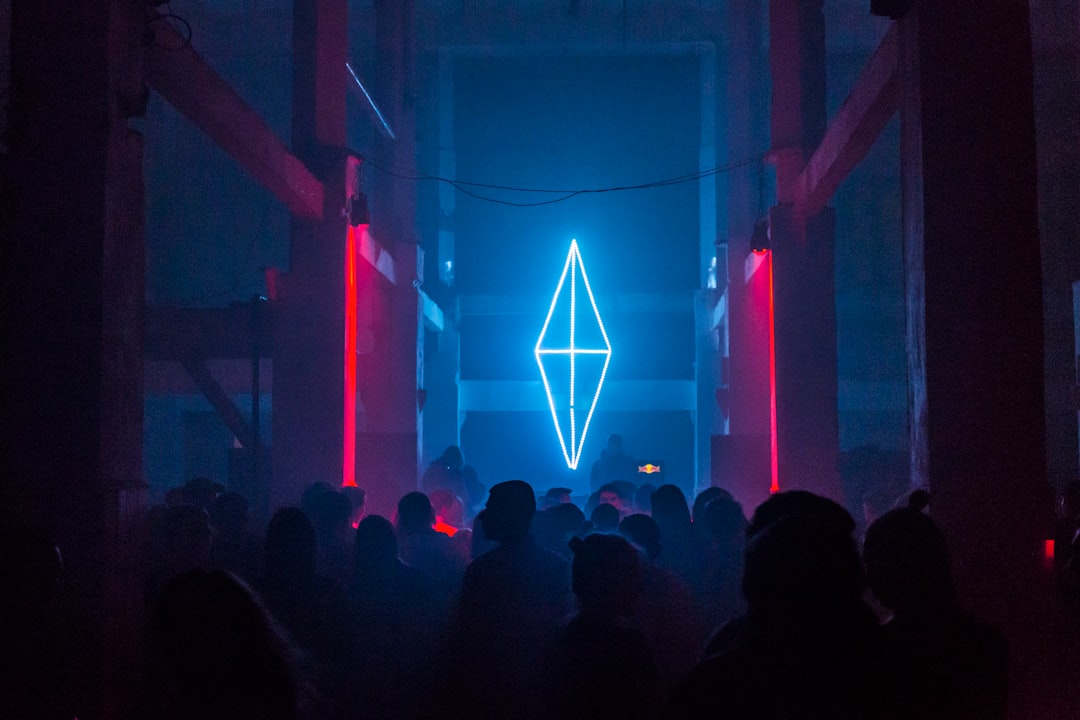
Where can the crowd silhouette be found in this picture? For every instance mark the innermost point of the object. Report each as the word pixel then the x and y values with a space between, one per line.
pixel 532 609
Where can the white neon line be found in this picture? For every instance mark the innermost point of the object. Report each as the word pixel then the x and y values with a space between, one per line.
pixel 554 299
pixel 573 331
pixel 592 408
pixel 577 451
pixel 592 301
pixel 575 351
pixel 554 415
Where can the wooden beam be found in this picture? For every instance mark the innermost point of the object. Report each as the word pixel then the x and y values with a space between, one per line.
pixel 868 108
pixel 434 318
pixel 168 377
pixel 217 396
pixel 379 258
pixel 174 333
pixel 187 81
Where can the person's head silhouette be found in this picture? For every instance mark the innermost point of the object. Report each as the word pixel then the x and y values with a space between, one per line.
pixel 509 511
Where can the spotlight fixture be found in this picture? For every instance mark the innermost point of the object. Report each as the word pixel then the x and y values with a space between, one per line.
pixel 760 241
pixel 358 210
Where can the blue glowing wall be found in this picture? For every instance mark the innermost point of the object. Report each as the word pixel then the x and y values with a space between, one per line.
pixel 567 121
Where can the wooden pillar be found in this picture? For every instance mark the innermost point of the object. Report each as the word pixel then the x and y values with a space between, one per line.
pixel 807 424
pixel 389 450
pixel 309 320
pixel 1056 40
pixel 73 283
pixel 740 458
pixel 975 325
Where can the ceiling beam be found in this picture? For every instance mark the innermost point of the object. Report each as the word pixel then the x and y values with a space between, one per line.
pixel 195 89
pixel 868 108
pixel 175 333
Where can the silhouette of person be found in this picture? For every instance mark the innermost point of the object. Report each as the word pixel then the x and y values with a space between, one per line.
pixel 808 647
pixel 513 599
pixel 619 496
pixel 180 539
pixel 705 497
pixel 215 653
pixel 555 526
pixel 201 492
pixel 720 529
pixel 394 621
pixel 605 518
pixel 614 465
pixel 672 514
pixel 358 497
pixel 310 607
pixel 40 677
pixel 330 513
pixel 424 548
pixel 667 615
pixel 449 472
pixel 947 664
pixel 234 547
pixel 1067 545
pixel 601 667
pixel 449 512
pixel 555 496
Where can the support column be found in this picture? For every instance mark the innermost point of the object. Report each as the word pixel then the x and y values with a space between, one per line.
pixel 975 324
pixel 1056 40
pixel 309 341
pixel 309 347
pixel 740 457
pixel 389 448
pixel 73 282
pixel 807 424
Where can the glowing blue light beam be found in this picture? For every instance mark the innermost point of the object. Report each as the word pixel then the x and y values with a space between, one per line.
pixel 574 267
pixel 384 126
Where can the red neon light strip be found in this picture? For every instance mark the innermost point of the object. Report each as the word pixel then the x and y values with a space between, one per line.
pixel 774 453
pixel 348 454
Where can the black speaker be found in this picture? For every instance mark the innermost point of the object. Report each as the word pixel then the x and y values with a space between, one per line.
pixel 894 9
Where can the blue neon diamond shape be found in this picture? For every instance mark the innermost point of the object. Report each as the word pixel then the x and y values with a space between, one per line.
pixel 573 355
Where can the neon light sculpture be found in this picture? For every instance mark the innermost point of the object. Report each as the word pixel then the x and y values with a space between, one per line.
pixel 560 345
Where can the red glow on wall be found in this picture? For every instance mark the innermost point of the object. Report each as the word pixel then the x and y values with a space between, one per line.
pixel 774 487
pixel 348 454
pixel 1048 549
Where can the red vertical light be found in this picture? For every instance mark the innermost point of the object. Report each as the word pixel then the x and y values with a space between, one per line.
pixel 348 454
pixel 773 451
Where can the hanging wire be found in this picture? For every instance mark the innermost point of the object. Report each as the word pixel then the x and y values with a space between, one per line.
pixel 242 269
pixel 465 186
